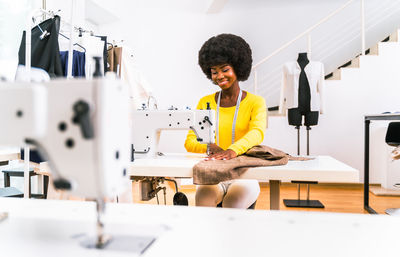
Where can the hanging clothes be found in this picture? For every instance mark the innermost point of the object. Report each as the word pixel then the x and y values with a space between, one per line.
pixel 140 89
pixel 110 58
pixel 94 48
pixel 114 60
pixel 104 39
pixel 44 52
pixel 78 63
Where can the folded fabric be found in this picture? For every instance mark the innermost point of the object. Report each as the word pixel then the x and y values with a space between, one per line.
pixel 214 172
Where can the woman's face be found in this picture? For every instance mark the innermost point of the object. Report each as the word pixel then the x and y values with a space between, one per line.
pixel 223 75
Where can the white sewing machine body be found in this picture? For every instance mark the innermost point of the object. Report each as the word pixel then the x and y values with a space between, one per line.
pixel 81 127
pixel 148 124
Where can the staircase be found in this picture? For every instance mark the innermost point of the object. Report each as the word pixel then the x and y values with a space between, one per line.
pixel 337 41
pixel 355 63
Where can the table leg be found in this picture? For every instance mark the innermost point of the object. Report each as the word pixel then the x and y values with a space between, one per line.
pixel 366 168
pixel 45 186
pixel 27 179
pixel 6 180
pixel 40 183
pixel 274 194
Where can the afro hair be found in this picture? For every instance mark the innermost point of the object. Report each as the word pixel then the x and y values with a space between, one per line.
pixel 226 49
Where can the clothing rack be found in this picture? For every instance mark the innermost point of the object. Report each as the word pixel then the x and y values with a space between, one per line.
pixel 71 40
pixel 68 32
pixel 28 39
pixel 28 63
pixel 28 42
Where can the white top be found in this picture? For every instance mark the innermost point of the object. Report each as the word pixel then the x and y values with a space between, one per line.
pixel 290 85
pixel 49 228
pixel 322 169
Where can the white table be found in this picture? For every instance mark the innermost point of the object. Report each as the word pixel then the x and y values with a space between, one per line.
pixel 323 169
pixel 13 153
pixel 56 228
pixel 7 154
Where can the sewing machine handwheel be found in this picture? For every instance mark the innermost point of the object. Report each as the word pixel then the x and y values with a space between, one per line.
pixel 180 199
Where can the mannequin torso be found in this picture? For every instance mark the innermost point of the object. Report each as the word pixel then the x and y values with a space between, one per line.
pixel 295 114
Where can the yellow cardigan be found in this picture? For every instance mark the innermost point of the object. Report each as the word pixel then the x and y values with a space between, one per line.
pixel 250 125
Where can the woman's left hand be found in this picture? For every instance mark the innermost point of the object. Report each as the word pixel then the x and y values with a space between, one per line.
pixel 224 155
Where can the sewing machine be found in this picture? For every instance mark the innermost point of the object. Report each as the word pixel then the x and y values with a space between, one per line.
pixel 148 125
pixel 147 128
pixel 82 128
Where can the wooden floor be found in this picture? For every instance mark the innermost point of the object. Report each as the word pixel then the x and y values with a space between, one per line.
pixel 336 197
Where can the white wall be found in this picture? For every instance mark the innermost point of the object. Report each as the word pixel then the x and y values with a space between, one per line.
pixel 166 36
pixel 12 23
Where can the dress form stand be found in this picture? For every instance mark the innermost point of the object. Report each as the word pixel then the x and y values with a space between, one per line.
pixel 295 117
pixel 308 128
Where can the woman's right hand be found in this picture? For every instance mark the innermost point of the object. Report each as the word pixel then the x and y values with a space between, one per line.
pixel 213 149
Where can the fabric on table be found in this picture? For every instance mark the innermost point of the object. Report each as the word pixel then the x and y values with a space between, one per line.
pixel 214 172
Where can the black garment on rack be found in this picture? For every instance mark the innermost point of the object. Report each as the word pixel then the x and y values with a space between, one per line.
pixel 105 53
pixel 45 53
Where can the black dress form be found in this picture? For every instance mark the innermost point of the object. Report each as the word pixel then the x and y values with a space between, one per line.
pixel 303 109
pixel 295 116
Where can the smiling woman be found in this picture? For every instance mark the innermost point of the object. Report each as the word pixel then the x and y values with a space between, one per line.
pixel 241 118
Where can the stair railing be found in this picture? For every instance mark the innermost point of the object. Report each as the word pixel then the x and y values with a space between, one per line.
pixel 308 34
